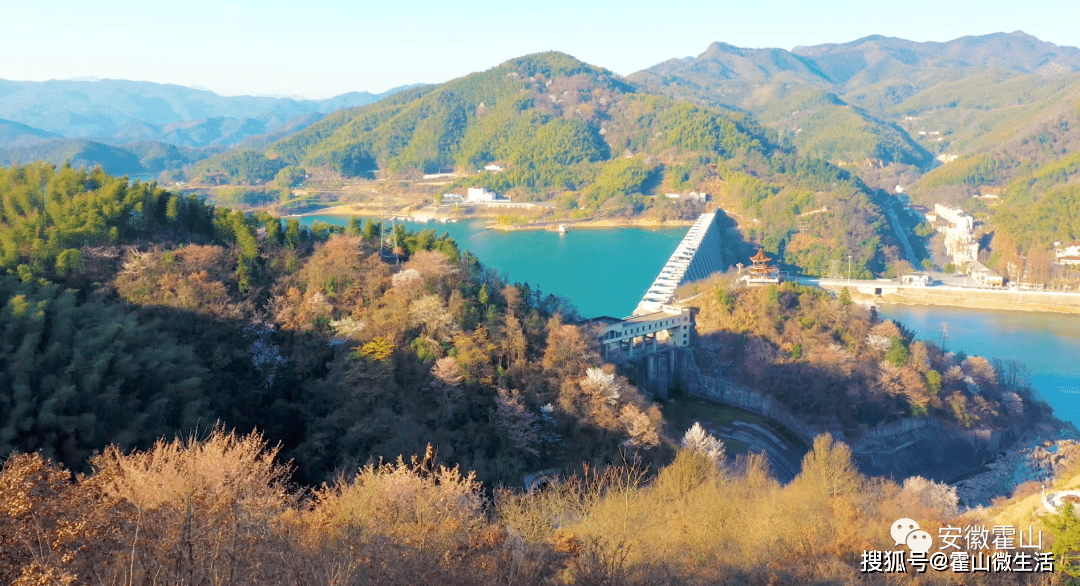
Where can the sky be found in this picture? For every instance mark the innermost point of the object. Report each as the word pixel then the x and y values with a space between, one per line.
pixel 317 49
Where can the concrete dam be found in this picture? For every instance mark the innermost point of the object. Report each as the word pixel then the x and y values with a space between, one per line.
pixel 699 255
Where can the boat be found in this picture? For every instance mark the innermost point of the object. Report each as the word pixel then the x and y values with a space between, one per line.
pixel 562 228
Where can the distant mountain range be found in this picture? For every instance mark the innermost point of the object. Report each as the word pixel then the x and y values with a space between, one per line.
pixel 136 127
pixel 869 98
pixel 121 112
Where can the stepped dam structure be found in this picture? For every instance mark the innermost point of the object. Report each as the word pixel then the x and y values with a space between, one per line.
pixel 699 255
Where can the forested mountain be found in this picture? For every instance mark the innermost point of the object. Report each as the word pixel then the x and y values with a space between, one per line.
pixel 119 112
pixel 1033 177
pixel 968 90
pixel 579 135
pixel 129 313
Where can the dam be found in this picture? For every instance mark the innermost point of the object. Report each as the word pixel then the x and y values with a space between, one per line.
pixel 699 255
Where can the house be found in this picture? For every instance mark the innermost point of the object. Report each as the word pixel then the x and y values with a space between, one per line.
pixel 1069 255
pixel 959 234
pixel 915 279
pixel 482 195
pixel 493 168
pixel 984 276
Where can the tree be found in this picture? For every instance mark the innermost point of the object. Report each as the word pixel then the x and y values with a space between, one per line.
pixel 845 296
pixel 520 426
pixel 696 439
pixel 1065 527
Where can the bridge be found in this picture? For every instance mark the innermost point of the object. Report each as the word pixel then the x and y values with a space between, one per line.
pixel 652 336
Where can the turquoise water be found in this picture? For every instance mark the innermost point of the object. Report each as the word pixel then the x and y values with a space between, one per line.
pixel 1047 344
pixel 606 271
pixel 602 271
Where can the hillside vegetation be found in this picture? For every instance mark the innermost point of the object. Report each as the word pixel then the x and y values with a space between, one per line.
pixel 885 95
pixel 129 314
pixel 219 509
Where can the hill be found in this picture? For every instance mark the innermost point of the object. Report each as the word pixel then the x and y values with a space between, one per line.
pixel 13 134
pixel 143 158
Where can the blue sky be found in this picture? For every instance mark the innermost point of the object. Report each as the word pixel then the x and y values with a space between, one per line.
pixel 319 49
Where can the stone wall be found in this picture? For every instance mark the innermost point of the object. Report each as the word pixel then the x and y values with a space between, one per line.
pixel 898 449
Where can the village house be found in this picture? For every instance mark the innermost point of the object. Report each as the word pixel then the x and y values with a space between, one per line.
pixel 983 276
pixel 915 279
pixel 482 195
pixel 1067 255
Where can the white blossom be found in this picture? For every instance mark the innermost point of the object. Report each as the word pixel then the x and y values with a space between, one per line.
pixel 696 439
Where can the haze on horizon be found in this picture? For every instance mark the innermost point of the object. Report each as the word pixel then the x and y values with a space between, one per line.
pixel 332 47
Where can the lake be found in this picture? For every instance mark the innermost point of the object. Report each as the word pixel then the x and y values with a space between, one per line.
pixel 603 271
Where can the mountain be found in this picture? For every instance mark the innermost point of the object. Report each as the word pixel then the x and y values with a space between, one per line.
pixel 584 139
pixel 143 158
pixel 870 98
pixel 119 112
pixel 13 134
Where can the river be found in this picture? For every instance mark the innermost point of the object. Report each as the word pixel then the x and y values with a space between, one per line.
pixel 606 271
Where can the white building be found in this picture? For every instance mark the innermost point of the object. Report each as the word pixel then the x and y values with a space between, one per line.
pixel 1068 255
pixel 482 195
pixel 984 276
pixel 959 234
pixel 493 168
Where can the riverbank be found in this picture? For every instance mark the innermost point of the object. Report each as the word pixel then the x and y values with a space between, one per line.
pixel 1039 301
pixel 591 224
pixel 894 293
pixel 426 213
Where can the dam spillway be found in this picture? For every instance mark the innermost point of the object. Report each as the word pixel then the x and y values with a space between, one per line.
pixel 697 256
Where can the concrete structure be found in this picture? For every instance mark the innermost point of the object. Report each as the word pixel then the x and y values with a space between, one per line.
pixel 696 257
pixel 984 276
pixel 959 234
pixel 650 340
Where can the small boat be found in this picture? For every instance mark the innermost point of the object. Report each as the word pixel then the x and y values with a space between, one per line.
pixel 562 228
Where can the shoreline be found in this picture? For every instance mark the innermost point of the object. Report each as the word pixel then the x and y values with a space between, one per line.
pixel 1006 300
pixel 352 209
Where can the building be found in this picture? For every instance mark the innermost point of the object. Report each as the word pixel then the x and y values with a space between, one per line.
pixel 915 279
pixel 983 276
pixel 1068 255
pixel 959 233
pixel 760 273
pixel 482 195
pixel 493 168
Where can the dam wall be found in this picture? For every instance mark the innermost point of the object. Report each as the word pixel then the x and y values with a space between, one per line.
pixel 699 255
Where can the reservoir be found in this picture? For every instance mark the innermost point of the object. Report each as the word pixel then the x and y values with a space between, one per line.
pixel 1046 344
pixel 603 271
pixel 606 271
